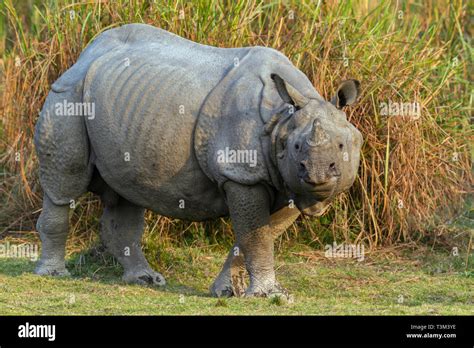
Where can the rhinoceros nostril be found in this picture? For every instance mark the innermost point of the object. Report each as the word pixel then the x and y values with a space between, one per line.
pixel 333 171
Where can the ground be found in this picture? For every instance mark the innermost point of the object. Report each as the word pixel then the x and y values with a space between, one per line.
pixel 385 283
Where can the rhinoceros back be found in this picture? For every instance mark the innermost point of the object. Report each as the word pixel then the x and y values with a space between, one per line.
pixel 147 93
pixel 61 141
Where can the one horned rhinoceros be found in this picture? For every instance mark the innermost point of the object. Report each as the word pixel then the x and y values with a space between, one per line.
pixel 191 132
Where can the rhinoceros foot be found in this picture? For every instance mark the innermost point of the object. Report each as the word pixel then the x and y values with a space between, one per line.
pixel 53 269
pixel 225 287
pixel 221 289
pixel 271 291
pixel 144 277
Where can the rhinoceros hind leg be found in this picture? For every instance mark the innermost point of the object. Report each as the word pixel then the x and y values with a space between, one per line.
pixel 121 230
pixel 53 228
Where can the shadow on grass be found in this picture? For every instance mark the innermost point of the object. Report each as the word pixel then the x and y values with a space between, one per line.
pixel 95 265
pixel 99 265
pixel 15 267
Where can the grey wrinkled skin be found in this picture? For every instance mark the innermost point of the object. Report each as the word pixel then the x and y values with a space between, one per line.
pixel 164 109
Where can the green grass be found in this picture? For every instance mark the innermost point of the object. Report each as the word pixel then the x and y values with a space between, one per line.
pixel 431 283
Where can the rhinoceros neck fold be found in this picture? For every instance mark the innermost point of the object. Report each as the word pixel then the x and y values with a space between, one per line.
pixel 269 144
pixel 211 114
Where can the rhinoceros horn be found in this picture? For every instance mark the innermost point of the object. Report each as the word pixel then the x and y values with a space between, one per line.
pixel 318 136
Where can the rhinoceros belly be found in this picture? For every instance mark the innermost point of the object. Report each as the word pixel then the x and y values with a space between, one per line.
pixel 145 109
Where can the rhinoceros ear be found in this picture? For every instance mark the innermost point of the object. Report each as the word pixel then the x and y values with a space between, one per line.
pixel 288 93
pixel 347 94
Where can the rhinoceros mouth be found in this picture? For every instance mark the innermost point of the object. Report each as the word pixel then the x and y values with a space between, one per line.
pixel 322 193
pixel 321 187
pixel 321 190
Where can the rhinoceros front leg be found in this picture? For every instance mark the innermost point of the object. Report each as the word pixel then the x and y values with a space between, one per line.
pixel 232 278
pixel 231 281
pixel 249 208
pixel 121 230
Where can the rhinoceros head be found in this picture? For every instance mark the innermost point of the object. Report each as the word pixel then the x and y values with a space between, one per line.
pixel 317 149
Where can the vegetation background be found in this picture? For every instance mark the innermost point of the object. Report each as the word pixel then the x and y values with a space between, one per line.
pixel 413 188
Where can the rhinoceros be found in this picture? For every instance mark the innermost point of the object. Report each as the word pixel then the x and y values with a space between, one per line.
pixel 149 120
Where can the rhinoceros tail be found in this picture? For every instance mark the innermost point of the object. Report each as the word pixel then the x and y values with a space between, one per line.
pixel 62 147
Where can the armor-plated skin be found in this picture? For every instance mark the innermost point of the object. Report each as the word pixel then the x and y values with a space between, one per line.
pixel 165 109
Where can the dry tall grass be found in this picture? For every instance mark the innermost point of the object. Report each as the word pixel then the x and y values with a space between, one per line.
pixel 414 173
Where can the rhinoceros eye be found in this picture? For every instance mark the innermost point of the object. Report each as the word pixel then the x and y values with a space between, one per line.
pixel 341 146
pixel 297 146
